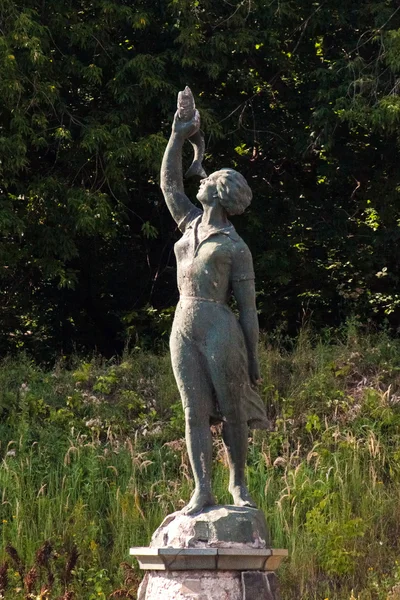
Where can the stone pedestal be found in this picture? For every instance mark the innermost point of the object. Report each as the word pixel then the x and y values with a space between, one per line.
pixel 223 553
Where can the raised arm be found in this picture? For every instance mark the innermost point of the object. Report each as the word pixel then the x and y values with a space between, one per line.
pixel 171 178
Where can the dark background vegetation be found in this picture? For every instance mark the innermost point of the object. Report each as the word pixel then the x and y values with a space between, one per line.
pixel 301 97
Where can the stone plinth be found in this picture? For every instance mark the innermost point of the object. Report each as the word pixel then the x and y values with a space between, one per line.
pixel 215 527
pixel 222 553
pixel 217 559
pixel 198 585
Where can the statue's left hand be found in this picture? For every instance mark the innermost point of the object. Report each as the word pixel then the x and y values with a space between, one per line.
pixel 254 372
pixel 186 129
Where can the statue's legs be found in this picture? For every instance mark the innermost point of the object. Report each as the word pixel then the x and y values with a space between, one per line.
pixel 199 447
pixel 227 365
pixel 209 360
pixel 196 392
pixel 235 436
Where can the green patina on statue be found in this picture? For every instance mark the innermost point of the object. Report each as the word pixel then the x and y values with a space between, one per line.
pixel 214 355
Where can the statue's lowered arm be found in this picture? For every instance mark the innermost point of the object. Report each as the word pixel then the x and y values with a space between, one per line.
pixel 244 293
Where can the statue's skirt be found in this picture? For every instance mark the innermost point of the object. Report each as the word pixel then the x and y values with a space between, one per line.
pixel 210 364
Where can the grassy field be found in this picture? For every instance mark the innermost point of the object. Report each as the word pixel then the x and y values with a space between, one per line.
pixel 93 458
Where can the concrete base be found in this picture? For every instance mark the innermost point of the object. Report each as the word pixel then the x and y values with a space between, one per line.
pixel 222 553
pixel 209 585
pixel 215 559
pixel 193 585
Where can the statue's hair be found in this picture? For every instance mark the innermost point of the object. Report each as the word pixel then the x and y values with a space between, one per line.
pixel 233 191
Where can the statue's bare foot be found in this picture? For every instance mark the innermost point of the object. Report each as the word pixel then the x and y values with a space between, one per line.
pixel 241 496
pixel 198 501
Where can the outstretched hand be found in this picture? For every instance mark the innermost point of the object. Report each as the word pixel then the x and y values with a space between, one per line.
pixel 186 129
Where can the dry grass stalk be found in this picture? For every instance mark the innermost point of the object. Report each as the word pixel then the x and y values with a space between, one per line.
pixel 130 577
pixel 50 578
pixel 122 593
pixel 44 593
pixel 13 554
pixel 71 564
pixel 30 580
pixel 3 577
pixel 66 596
pixel 43 555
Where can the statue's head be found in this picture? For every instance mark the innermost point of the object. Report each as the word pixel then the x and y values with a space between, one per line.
pixel 230 187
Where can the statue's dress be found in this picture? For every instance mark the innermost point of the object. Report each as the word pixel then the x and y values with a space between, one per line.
pixel 209 355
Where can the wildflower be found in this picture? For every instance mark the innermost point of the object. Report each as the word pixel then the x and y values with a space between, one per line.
pixel 93 423
pixel 24 389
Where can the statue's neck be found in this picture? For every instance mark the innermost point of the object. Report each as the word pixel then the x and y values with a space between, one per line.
pixel 214 217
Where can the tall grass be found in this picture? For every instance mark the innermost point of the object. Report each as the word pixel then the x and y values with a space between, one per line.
pixel 93 458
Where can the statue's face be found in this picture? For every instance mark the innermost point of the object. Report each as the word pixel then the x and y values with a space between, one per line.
pixel 207 193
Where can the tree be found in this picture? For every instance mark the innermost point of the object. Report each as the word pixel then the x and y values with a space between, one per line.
pixel 301 99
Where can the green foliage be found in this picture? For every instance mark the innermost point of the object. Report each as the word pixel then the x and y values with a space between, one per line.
pixel 93 458
pixel 303 100
pixel 334 541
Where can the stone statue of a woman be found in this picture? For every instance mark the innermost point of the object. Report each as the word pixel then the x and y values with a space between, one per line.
pixel 214 355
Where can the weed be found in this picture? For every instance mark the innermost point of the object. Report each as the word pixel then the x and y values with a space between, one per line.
pixel 93 458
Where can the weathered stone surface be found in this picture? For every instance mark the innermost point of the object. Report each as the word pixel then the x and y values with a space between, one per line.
pixel 195 585
pixel 200 585
pixel 256 586
pixel 192 586
pixel 181 559
pixel 216 526
pixel 275 559
pixel 223 559
pixel 242 559
pixel 175 559
pixel 273 585
pixel 217 585
pixel 141 595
